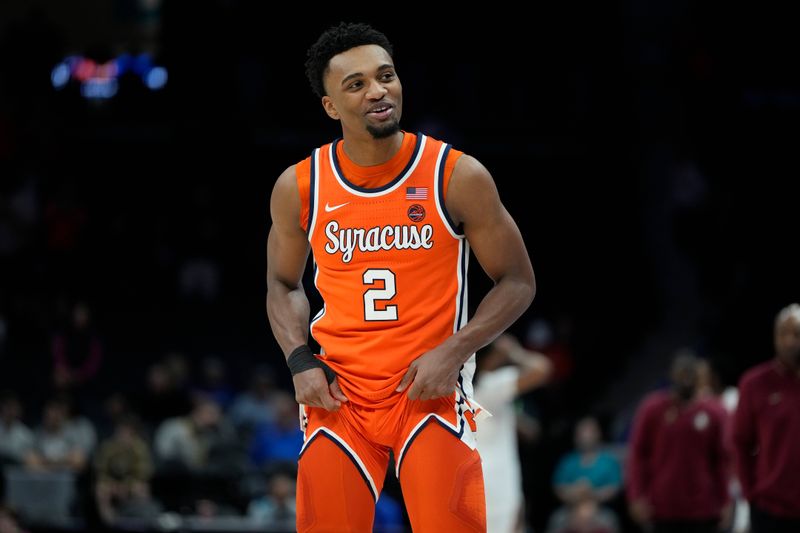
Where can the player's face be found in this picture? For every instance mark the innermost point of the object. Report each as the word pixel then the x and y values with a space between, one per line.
pixel 787 340
pixel 364 92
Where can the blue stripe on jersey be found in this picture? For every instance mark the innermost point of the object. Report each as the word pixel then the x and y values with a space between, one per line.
pixel 384 187
pixel 463 267
pixel 456 229
pixel 312 190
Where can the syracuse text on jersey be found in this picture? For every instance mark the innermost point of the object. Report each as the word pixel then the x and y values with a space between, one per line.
pixel 400 237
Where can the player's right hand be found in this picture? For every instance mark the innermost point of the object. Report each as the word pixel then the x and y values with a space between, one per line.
pixel 312 389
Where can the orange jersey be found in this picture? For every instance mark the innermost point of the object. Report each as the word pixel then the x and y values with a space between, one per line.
pixel 389 263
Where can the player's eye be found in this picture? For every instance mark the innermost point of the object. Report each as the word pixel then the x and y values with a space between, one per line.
pixel 387 76
pixel 354 85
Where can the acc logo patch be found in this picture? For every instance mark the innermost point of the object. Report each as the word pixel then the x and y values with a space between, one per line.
pixel 416 213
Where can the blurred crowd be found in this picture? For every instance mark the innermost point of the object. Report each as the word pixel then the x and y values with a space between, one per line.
pixel 696 456
pixel 191 443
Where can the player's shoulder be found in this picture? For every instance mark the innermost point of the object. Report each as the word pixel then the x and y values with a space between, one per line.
pixel 757 374
pixel 469 165
pixel 288 178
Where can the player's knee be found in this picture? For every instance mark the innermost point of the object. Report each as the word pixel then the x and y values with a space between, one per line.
pixel 468 501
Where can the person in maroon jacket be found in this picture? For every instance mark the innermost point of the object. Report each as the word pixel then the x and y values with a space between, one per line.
pixel 766 432
pixel 677 471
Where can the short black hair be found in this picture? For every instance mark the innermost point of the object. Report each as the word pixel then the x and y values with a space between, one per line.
pixel 335 40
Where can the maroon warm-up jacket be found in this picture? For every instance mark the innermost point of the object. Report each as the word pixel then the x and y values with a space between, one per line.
pixel 678 459
pixel 766 436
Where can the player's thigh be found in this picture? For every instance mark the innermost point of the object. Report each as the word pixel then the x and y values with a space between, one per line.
pixel 332 492
pixel 442 482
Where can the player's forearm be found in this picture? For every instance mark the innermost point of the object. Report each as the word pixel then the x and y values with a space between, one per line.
pixel 498 310
pixel 288 311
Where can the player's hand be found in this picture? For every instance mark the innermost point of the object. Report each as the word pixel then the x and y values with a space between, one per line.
pixel 434 374
pixel 312 389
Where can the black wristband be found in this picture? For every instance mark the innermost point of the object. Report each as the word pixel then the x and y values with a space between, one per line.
pixel 302 359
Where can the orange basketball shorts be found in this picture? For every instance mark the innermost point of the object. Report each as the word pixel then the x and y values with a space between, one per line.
pixel 345 455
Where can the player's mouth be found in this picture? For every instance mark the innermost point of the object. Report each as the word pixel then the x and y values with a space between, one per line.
pixel 380 111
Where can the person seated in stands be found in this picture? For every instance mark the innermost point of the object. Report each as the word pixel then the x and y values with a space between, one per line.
pixel 586 479
pixel 279 441
pixel 56 446
pixel 185 443
pixel 123 467
pixel 16 439
pixel 276 507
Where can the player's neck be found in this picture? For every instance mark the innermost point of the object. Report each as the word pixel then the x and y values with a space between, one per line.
pixel 366 151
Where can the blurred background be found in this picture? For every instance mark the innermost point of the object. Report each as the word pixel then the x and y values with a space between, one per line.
pixel 648 151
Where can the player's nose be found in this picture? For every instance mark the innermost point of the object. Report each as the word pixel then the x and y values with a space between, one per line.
pixel 376 90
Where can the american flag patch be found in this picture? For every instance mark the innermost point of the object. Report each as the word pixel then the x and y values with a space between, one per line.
pixel 416 193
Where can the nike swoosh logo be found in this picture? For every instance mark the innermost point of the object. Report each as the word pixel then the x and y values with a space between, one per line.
pixel 329 208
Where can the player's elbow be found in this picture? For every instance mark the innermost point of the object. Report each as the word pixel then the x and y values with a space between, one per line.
pixel 528 287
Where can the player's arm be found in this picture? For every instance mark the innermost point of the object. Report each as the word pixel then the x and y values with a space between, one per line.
pixel 473 202
pixel 287 304
pixel 535 368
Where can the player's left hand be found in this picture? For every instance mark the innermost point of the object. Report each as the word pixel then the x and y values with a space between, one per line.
pixel 434 374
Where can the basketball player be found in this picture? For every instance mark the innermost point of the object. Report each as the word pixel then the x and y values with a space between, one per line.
pixel 390 217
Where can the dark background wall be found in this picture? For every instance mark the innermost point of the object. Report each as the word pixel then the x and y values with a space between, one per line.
pixel 647 150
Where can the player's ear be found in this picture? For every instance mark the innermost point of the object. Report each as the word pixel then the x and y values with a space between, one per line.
pixel 330 109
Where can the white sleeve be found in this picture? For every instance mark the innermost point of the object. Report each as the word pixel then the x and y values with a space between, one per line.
pixel 497 387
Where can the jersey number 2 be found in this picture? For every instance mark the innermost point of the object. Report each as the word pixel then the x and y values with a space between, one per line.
pixel 371 296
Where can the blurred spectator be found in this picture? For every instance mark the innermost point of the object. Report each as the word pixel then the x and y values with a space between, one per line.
pixel 185 443
pixel 55 445
pixel 586 480
pixel 275 508
pixel 583 516
pixel 80 428
pixel 767 429
pixel 77 350
pixel 254 406
pixel 208 511
pixel 178 367
pixel 123 467
pixel 162 397
pixel 505 371
pixel 16 440
pixel 8 521
pixel 213 381
pixel 710 387
pixel 542 337
pixel 678 468
pixel 280 440
pixel 115 408
pixel 388 515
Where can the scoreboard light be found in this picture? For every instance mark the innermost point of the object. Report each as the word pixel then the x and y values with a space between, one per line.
pixel 101 80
